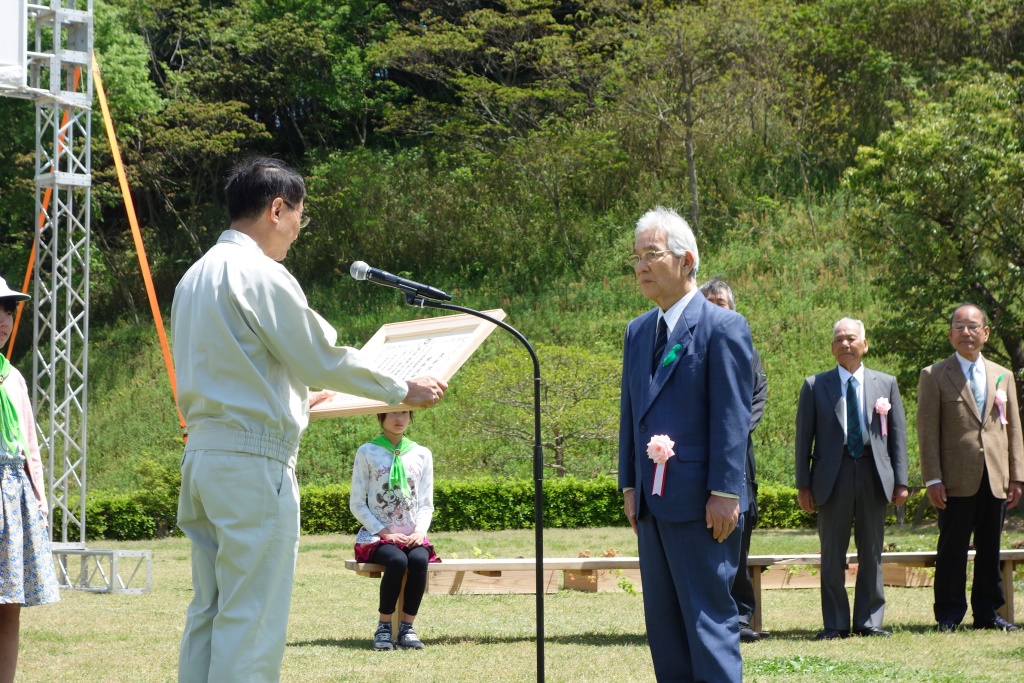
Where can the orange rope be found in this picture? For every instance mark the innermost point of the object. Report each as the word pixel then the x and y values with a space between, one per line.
pixel 140 248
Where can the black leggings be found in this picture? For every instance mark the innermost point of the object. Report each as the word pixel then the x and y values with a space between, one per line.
pixel 396 561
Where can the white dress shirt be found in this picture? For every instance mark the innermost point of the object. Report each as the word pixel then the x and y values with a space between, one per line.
pixel 247 347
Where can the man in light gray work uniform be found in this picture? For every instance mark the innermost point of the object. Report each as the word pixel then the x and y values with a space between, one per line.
pixel 246 348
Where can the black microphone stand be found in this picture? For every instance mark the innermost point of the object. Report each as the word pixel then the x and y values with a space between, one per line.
pixel 413 298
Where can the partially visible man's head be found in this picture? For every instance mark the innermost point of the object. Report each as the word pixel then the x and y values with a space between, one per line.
pixel 719 293
pixel 255 182
pixel 968 330
pixel 849 343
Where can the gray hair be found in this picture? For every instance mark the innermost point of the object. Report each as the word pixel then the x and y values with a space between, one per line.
pixel 680 236
pixel 716 286
pixel 859 324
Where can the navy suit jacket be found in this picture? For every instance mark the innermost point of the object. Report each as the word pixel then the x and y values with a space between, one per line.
pixel 701 400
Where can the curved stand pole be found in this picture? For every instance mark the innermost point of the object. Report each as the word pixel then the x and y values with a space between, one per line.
pixel 538 460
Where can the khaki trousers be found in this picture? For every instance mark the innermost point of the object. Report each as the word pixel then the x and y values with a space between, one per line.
pixel 241 512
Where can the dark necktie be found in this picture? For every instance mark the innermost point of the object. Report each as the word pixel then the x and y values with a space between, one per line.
pixel 854 436
pixel 659 345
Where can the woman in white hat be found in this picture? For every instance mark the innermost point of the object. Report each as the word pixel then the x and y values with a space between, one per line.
pixel 27 575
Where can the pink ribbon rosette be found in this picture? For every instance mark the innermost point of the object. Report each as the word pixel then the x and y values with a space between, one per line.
pixel 1001 404
pixel 882 407
pixel 659 449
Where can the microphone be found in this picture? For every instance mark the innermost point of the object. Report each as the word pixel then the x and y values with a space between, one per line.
pixel 360 270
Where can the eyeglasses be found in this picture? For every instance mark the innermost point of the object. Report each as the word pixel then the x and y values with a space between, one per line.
pixel 303 218
pixel 970 327
pixel 646 257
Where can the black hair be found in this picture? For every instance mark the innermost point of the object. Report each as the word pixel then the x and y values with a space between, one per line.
pixel 9 304
pixel 255 182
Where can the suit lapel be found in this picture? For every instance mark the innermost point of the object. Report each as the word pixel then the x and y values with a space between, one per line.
pixel 834 391
pixel 955 377
pixel 991 373
pixel 870 396
pixel 681 335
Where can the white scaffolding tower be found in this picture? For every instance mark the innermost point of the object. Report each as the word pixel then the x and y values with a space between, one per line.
pixel 59 80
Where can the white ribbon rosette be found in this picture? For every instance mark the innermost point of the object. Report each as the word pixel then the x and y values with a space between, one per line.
pixel 659 449
pixel 882 407
pixel 1000 401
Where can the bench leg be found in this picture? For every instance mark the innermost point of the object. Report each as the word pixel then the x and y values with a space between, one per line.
pixel 1006 611
pixel 396 618
pixel 755 582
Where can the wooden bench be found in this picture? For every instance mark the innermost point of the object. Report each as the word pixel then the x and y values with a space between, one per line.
pixel 1008 560
pixel 580 573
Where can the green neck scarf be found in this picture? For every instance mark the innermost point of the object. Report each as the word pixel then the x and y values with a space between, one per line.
pixel 10 425
pixel 398 478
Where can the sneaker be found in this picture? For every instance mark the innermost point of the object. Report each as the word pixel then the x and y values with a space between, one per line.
pixel 997 624
pixel 407 638
pixel 382 637
pixel 947 626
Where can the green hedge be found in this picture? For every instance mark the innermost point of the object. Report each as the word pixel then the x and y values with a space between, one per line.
pixel 487 504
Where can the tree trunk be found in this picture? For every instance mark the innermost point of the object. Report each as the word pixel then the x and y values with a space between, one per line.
pixel 691 164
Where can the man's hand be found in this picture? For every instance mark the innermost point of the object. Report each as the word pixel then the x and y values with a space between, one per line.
pixel 320 396
pixel 629 507
pixel 425 392
pixel 899 495
pixel 722 515
pixel 805 499
pixel 937 495
pixel 1013 495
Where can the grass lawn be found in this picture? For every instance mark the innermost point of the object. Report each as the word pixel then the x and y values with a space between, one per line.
pixel 589 637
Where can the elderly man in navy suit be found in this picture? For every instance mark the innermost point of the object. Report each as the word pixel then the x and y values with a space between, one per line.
pixel 687 382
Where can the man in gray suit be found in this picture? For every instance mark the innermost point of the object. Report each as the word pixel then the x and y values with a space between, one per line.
pixel 851 460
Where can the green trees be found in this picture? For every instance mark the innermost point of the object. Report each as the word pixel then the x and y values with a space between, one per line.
pixel 939 202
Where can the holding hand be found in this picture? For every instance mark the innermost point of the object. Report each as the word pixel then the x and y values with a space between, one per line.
pixel 425 392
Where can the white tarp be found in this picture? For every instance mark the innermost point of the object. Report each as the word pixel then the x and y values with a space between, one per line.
pixel 13 42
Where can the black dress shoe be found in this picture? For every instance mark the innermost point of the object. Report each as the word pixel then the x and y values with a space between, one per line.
pixel 946 626
pixel 749 635
pixel 832 634
pixel 872 631
pixel 997 624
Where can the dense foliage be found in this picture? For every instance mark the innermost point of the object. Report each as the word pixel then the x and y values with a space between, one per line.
pixel 502 150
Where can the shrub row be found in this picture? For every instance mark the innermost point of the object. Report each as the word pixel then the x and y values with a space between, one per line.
pixel 487 505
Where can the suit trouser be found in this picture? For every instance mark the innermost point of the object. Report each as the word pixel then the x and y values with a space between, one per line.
pixel 241 513
pixel 983 515
pixel 858 500
pixel 692 626
pixel 742 587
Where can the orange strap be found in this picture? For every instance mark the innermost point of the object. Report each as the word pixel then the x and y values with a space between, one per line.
pixel 140 248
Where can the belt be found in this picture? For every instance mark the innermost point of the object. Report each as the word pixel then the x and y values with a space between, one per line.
pixel 865 454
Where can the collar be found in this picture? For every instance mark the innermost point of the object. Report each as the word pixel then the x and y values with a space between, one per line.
pixel 230 236
pixel 671 316
pixel 844 376
pixel 965 365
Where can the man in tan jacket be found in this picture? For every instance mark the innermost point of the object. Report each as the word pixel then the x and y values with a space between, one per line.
pixel 972 461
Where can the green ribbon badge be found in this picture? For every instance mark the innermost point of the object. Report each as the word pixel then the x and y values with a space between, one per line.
pixel 398 480
pixel 672 355
pixel 999 379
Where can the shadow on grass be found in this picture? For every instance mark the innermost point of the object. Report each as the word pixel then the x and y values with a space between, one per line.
pixel 589 638
pixel 896 629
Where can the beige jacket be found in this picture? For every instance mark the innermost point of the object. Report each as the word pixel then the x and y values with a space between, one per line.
pixel 955 444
